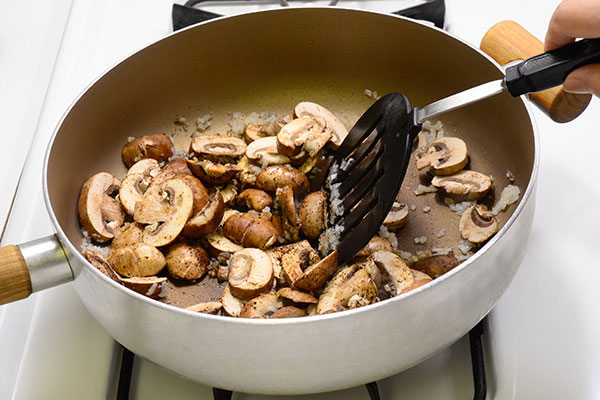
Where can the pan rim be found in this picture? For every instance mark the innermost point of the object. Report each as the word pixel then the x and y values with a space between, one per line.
pixel 302 320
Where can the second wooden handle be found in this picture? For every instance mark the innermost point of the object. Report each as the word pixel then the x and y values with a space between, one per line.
pixel 508 41
pixel 15 283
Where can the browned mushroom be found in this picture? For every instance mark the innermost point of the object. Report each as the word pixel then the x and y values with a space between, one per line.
pixel 376 243
pixel 395 269
pixel 347 283
pixel 251 273
pixel 262 306
pixel 296 296
pixel 207 219
pixel 285 199
pixel 220 245
pixel 420 279
pixel 187 261
pixel 332 123
pixel 231 304
pixel 265 152
pixel 151 286
pixel 140 259
pixel 260 130
pixel 464 185
pixel 218 148
pixel 255 199
pixel 294 259
pixel 436 265
pixel 129 234
pixel 306 133
pixel 157 146
pixel 199 193
pixel 280 176
pixel 250 231
pixel 477 224
pixel 313 214
pixel 289 312
pixel 445 156
pixel 102 265
pixel 165 213
pixel 148 167
pixel 174 168
pixel 213 173
pixel 397 217
pixel 132 190
pixel 211 307
pixel 99 214
pixel 315 276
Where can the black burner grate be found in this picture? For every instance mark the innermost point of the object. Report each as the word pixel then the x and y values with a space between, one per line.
pixel 477 363
pixel 188 14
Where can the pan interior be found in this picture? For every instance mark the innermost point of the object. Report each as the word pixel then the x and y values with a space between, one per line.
pixel 270 61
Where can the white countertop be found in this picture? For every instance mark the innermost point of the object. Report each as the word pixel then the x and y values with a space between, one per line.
pixel 547 320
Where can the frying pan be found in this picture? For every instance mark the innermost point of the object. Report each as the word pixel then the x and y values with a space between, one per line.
pixel 271 60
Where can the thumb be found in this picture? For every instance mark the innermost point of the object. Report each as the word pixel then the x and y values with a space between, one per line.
pixel 584 80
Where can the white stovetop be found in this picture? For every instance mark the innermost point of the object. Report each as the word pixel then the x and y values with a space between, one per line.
pixel 543 333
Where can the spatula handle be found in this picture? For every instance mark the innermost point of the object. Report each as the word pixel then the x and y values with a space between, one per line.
pixel 550 69
pixel 508 41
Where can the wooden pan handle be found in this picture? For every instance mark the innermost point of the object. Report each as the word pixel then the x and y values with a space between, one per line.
pixel 15 282
pixel 508 41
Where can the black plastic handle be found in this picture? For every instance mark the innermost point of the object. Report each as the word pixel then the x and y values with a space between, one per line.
pixel 550 69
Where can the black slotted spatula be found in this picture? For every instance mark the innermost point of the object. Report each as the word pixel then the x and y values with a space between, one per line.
pixel 368 169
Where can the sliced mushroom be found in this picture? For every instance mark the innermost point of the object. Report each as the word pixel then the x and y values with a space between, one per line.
pixel 464 185
pixel 309 163
pixel 157 146
pixel 255 199
pixel 251 273
pixel 295 258
pixel 285 199
pixel 151 286
pixel 436 265
pixel 315 276
pixel 265 151
pixel 199 192
pixel 187 261
pixel 166 213
pixel 397 217
pixel 280 176
pixel 219 244
pixel 148 167
pixel 347 283
pixel 313 214
pixel 262 306
pixel 211 307
pixel 420 280
pixel 213 173
pixel 231 304
pixel 132 190
pixel 128 235
pixel 297 296
pixel 477 224
pixel 218 148
pixel 250 231
pixel 207 219
pixel 445 156
pixel 171 170
pixel 260 130
pixel 102 265
pixel 395 268
pixel 228 193
pixel 99 214
pixel 289 312
pixel 138 260
pixel 306 133
pixel 376 243
pixel 332 123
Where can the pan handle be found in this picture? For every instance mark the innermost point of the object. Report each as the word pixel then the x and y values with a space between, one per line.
pixel 508 41
pixel 31 267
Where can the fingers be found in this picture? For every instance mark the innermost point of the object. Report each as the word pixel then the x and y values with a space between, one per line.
pixel 573 19
pixel 584 80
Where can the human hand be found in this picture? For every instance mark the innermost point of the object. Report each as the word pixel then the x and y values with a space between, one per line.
pixel 574 19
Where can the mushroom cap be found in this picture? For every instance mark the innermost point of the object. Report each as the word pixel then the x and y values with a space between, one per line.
pixel 218 148
pixel 332 123
pixel 187 261
pixel 464 185
pixel 99 214
pixel 289 312
pixel 313 214
pixel 315 276
pixel 251 273
pixel 376 243
pixel 262 306
pixel 477 224
pixel 199 193
pixel 397 217
pixel 445 156
pixel 207 219
pixel 157 146
pixel 213 173
pixel 255 199
pixel 250 231
pixel 436 265
pixel 280 176
pixel 165 211
pixel 129 234
pixel 140 259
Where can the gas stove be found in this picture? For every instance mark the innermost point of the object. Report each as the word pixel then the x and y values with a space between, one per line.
pixel 539 341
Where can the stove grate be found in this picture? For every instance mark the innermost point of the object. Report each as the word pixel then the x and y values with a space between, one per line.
pixel 477 363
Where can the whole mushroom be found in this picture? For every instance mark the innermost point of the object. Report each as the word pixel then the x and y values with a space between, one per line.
pixel 157 146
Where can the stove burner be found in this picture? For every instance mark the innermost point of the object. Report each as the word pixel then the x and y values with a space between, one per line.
pixel 477 363
pixel 187 14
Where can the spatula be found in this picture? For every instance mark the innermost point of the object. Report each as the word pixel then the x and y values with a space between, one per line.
pixel 367 170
